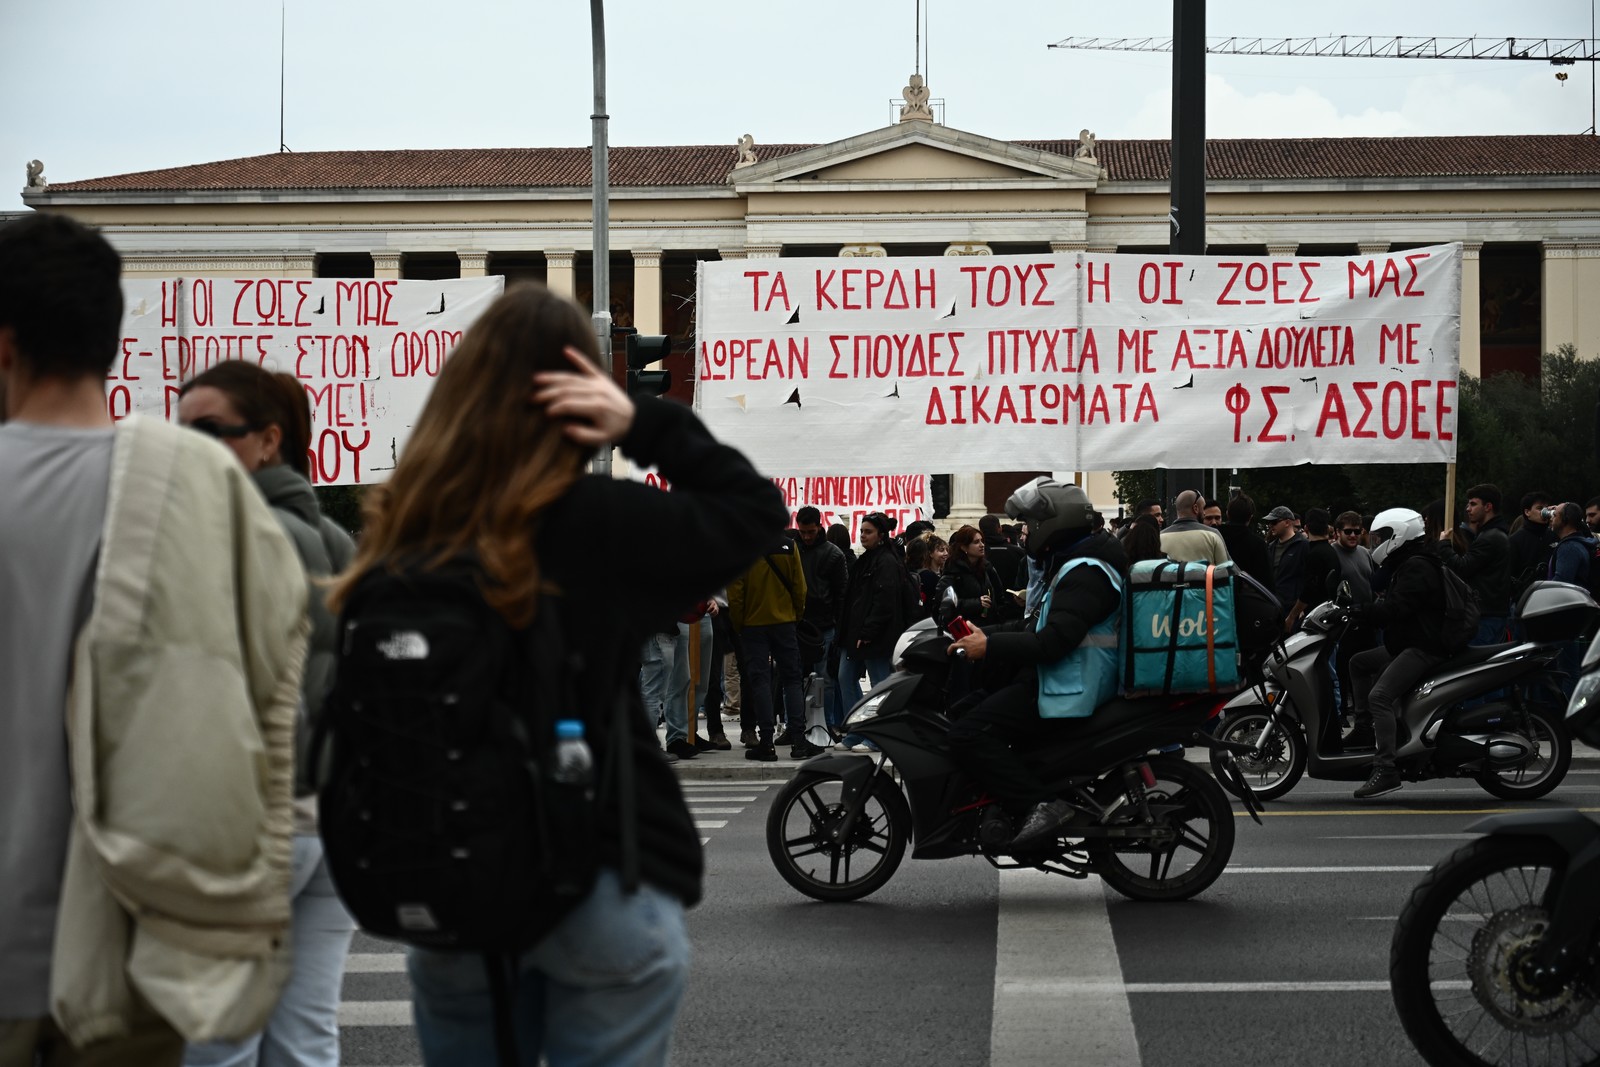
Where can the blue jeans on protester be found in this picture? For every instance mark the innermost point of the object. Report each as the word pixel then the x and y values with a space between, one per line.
pixel 655 684
pixel 851 663
pixel 304 1027
pixel 830 681
pixel 763 645
pixel 602 989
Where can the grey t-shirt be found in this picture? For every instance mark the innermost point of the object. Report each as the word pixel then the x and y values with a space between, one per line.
pixel 53 484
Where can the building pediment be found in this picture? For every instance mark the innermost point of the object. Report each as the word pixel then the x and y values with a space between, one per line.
pixel 913 155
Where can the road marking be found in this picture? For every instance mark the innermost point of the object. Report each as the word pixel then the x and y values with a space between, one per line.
pixel 1463 837
pixel 717 798
pixel 1049 924
pixel 1400 811
pixel 1138 988
pixel 375 963
pixel 695 810
pixel 731 783
pixel 710 824
pixel 375 1013
pixel 1325 870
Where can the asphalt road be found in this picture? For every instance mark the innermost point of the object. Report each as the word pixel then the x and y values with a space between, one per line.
pixel 1282 961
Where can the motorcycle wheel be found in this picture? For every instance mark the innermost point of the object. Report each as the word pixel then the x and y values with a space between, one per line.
pixel 1453 962
pixel 1189 800
pixel 799 826
pixel 1283 756
pixel 1540 774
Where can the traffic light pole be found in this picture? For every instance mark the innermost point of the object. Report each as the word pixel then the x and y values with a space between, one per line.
pixel 1188 216
pixel 601 212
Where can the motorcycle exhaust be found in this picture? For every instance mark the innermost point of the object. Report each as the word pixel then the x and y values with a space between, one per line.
pixel 1508 751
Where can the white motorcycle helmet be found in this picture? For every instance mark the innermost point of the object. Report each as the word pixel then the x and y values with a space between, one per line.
pixel 1393 528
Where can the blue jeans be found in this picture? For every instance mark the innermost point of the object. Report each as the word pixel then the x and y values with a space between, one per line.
pixel 655 671
pixel 851 664
pixel 304 1027
pixel 1491 631
pixel 602 989
pixel 830 681
pixel 762 646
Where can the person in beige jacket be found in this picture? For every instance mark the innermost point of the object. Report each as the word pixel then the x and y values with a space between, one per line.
pixel 152 633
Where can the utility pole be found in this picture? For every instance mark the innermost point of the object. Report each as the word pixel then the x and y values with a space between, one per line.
pixel 601 211
pixel 1188 217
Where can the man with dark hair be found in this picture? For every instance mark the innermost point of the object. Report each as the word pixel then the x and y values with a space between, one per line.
pixel 1486 563
pixel 1320 574
pixel 1245 547
pixel 118 637
pixel 1529 544
pixel 1355 569
pixel 826 572
pixel 1149 506
pixel 1211 514
pixel 1286 547
pixel 1573 551
pixel 1591 514
pixel 1008 561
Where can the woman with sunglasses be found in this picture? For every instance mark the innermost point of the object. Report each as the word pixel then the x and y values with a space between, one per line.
pixel 265 420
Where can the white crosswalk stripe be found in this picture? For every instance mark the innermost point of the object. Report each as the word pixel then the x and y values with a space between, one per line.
pixel 364 1010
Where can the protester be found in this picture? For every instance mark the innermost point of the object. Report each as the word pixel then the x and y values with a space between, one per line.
pixel 1528 546
pixel 827 572
pixel 872 620
pixel 1355 571
pixel 1485 563
pixel 764 603
pixel 1319 574
pixel 970 586
pixel 1211 514
pixel 265 420
pixel 1286 549
pixel 1186 539
pixel 500 450
pixel 1245 546
pixel 152 636
pixel 1142 540
pixel 1008 561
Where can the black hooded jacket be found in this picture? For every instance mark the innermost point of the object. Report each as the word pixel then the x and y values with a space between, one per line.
pixel 872 603
pixel 969 584
pixel 1411 610
pixel 1084 598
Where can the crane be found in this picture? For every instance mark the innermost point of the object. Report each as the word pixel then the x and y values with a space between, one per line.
pixel 1558 51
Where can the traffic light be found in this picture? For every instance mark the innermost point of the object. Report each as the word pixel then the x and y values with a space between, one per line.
pixel 643 350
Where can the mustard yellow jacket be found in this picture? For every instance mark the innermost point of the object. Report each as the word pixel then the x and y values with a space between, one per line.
pixel 758 597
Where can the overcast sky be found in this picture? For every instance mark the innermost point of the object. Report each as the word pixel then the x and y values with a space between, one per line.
pixel 100 87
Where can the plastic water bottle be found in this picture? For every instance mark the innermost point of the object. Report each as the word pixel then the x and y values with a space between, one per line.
pixel 574 763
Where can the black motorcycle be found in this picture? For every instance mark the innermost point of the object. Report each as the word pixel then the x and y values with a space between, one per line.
pixel 1495 959
pixel 1154 827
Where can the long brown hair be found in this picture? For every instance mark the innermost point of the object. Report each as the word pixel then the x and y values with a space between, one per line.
pixel 483 462
pixel 264 398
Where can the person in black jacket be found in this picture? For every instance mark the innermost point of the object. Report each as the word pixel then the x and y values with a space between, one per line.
pixel 1009 561
pixel 873 619
pixel 970 586
pixel 497 467
pixel 987 740
pixel 1485 563
pixel 1245 546
pixel 1411 615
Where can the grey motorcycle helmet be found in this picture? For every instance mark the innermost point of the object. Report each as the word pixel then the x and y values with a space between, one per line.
pixel 1051 510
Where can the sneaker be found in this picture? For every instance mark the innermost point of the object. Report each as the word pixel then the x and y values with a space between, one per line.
pixel 682 748
pixel 1042 822
pixel 764 753
pixel 748 738
pixel 1381 782
pixel 805 750
pixel 784 738
pixel 719 742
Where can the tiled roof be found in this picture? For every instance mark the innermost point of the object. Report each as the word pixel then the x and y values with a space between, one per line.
pixel 1241 159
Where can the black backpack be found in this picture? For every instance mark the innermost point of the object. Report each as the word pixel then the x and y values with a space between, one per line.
pixel 1461 611
pixel 442 823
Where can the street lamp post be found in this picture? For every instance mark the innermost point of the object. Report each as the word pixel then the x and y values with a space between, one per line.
pixel 601 211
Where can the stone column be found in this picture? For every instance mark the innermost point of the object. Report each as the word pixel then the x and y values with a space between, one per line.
pixel 966 500
pixel 1471 329
pixel 387 264
pixel 647 290
pixel 1559 320
pixel 560 272
pixel 1282 248
pixel 474 264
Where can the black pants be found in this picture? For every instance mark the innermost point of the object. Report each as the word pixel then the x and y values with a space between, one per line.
pixel 1380 682
pixel 989 740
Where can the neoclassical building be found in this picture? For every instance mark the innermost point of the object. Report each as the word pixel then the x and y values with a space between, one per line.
pixel 1527 209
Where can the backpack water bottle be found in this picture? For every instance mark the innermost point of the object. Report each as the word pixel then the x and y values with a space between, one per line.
pixel 574 763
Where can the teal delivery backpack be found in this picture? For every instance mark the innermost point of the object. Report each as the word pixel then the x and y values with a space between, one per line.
pixel 1180 633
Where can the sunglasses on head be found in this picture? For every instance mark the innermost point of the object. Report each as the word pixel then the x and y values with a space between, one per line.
pixel 220 430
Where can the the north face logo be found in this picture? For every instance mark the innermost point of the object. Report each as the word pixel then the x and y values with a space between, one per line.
pixel 407 644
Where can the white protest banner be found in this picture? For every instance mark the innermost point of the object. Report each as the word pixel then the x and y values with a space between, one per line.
pixel 1080 361
pixel 903 497
pixel 367 351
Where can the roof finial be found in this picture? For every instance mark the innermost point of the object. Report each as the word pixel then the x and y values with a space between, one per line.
pixel 916 97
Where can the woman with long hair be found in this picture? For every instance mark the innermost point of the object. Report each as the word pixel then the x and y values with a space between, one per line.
pixel 1143 540
pixel 496 468
pixel 265 420
pixel 970 586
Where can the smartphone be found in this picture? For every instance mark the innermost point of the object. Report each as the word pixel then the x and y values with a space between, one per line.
pixel 958 627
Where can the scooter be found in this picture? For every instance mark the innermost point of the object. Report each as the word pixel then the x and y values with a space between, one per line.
pixel 1495 958
pixel 1513 746
pixel 1154 827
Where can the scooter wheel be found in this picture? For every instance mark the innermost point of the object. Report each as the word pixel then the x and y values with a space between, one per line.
pixel 1543 772
pixel 1189 801
pixel 1455 964
pixel 1283 754
pixel 801 839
